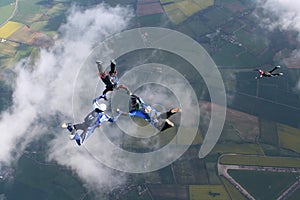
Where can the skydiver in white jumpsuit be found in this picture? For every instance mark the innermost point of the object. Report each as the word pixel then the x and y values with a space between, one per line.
pixel 90 123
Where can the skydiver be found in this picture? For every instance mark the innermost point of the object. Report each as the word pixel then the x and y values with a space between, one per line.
pixel 139 108
pixel 91 122
pixel 269 73
pixel 110 80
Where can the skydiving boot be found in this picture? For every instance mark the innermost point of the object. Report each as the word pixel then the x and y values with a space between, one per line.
pixel 99 62
pixel 68 126
pixel 167 124
pixel 100 67
pixel 113 62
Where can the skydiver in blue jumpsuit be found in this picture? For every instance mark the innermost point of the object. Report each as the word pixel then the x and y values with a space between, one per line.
pixel 91 122
pixel 139 108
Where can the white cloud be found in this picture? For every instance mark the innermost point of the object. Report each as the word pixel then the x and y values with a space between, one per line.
pixel 286 12
pixel 48 89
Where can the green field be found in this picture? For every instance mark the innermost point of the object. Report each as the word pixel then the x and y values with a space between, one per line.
pixel 295 195
pixel 226 55
pixel 29 11
pixel 151 20
pixel 268 132
pixel 289 137
pixel 238 148
pixel 194 28
pixel 6 10
pixel 260 161
pixel 5 95
pixel 270 150
pixel 255 43
pixel 6 2
pixel 35 183
pixel 211 169
pixel 264 185
pixel 216 16
pixel 190 171
pixel 232 191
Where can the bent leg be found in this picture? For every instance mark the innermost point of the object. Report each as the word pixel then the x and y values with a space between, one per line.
pixel 83 135
pixel 112 68
pixel 81 126
pixel 274 69
pixel 106 91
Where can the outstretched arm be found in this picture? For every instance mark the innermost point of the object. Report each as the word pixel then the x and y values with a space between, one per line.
pixel 121 112
pixel 125 88
pixel 114 118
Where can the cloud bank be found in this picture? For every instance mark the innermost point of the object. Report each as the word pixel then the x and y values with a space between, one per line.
pixel 45 89
pixel 285 14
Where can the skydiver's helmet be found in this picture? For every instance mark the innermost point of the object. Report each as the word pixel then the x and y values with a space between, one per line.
pixel 99 107
pixel 261 72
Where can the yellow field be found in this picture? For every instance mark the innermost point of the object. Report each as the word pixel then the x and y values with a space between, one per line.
pixel 171 7
pixel 289 137
pixel 178 11
pixel 260 161
pixel 204 3
pixel 176 16
pixel 208 192
pixel 9 28
pixel 188 7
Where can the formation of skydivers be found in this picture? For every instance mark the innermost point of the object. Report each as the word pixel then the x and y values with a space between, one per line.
pixel 138 108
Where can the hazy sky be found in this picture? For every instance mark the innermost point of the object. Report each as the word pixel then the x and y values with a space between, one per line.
pixel 46 90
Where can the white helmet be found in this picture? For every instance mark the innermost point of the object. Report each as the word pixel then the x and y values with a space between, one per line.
pixel 101 106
